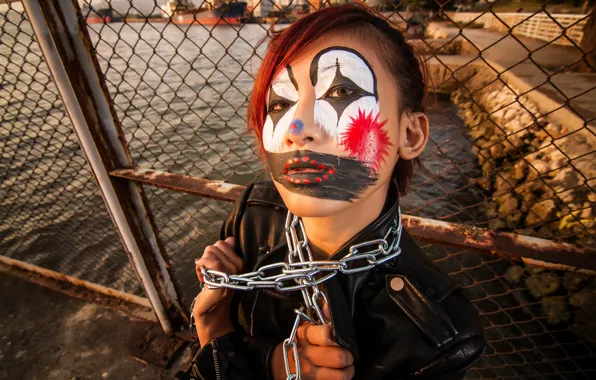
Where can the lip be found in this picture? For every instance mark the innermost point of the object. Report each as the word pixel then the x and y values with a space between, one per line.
pixel 306 171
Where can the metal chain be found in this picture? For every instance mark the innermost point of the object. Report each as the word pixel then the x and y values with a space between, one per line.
pixel 303 273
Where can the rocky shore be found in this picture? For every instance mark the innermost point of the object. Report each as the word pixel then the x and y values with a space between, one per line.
pixel 540 174
pixel 539 177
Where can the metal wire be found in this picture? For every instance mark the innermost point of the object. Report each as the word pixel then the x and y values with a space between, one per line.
pixel 499 156
pixel 51 210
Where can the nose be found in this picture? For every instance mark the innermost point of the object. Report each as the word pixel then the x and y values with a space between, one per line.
pixel 303 130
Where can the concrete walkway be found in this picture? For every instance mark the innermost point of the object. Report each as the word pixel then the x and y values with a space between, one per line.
pixel 48 335
pixel 536 63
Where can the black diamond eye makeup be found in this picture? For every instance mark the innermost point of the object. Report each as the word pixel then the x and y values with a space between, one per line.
pixel 345 108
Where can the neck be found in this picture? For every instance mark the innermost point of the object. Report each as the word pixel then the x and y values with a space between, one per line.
pixel 330 233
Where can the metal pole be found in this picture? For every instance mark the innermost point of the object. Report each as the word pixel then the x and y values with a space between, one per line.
pixel 65 44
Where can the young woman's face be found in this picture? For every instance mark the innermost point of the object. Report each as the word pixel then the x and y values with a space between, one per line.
pixel 331 134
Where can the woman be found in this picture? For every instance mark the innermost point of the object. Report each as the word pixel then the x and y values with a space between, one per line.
pixel 338 106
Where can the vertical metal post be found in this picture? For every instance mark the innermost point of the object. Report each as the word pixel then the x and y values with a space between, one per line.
pixel 61 32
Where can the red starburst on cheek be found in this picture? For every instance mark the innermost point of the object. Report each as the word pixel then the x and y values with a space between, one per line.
pixel 366 140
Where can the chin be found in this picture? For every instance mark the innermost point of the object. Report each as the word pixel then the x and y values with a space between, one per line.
pixel 310 207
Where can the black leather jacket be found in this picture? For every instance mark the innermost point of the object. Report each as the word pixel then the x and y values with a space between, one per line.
pixel 426 330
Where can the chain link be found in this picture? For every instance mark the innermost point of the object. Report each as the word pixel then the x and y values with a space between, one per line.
pixel 303 273
pixel 296 275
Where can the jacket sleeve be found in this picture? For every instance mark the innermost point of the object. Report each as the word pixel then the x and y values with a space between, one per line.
pixel 236 355
pixel 415 336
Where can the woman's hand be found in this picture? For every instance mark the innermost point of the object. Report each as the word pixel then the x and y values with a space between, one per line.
pixel 321 358
pixel 212 306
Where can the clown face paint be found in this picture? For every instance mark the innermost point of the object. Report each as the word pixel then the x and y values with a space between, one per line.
pixel 296 127
pixel 345 109
pixel 283 99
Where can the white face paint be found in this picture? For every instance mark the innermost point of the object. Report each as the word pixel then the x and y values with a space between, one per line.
pixel 273 136
pixel 350 65
pixel 336 69
pixel 284 87
pixel 278 123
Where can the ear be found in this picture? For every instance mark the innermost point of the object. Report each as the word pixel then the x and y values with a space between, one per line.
pixel 413 135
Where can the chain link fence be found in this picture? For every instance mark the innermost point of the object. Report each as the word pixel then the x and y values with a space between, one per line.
pixel 512 148
pixel 52 212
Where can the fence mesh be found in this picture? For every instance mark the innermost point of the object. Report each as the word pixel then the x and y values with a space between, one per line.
pixel 512 145
pixel 51 210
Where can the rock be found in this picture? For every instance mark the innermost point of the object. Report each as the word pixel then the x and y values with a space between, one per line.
pixel 587 212
pixel 509 210
pixel 555 309
pixel 536 168
pixel 566 178
pixel 484 183
pixel 504 182
pixel 546 232
pixel 513 274
pixel 507 204
pixel 497 224
pixel 540 213
pixel 497 151
pixel 573 280
pixel 535 269
pixel 525 231
pixel 542 284
pixel 519 171
pixel 488 168
pixel 583 299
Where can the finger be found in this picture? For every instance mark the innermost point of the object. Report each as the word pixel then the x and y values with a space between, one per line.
pixel 326 312
pixel 198 269
pixel 210 261
pixel 230 255
pixel 325 373
pixel 319 335
pixel 332 357
pixel 231 242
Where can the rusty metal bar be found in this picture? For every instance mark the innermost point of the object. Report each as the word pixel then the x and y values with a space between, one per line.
pixel 538 251
pixel 560 267
pixel 500 243
pixel 135 306
pixel 193 185
pixel 60 29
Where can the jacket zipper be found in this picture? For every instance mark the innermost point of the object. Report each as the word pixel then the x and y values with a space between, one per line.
pixel 216 364
pixel 196 368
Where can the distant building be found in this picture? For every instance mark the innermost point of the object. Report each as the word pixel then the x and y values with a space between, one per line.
pixel 262 8
pixel 182 6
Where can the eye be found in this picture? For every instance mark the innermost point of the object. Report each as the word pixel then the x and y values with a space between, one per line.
pixel 278 107
pixel 341 92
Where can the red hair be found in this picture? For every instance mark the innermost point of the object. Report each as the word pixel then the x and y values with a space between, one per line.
pixel 397 55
